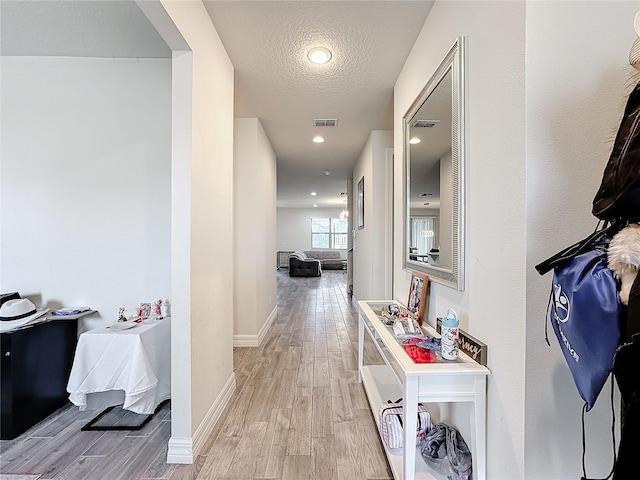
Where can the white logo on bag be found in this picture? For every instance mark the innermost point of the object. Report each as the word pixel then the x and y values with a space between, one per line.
pixel 561 309
pixel 561 306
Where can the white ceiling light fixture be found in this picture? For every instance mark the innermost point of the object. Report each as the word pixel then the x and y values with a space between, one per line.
pixel 319 55
pixel 414 141
pixel 318 139
pixel 314 205
pixel 313 194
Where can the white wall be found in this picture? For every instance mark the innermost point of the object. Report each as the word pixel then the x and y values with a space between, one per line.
pixel 255 230
pixel 538 153
pixel 492 304
pixel 577 78
pixel 294 227
pixel 202 335
pixel 372 244
pixel 85 184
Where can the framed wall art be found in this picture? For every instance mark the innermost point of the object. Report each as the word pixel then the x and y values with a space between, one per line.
pixel 418 295
pixel 360 204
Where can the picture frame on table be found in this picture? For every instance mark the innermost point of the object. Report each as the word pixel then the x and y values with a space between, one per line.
pixel 145 311
pixel 360 204
pixel 418 295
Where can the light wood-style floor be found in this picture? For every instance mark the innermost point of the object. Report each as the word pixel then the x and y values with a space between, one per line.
pixel 298 411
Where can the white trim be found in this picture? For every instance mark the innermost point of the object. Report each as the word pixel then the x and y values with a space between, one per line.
pixel 245 341
pixel 163 23
pixel 181 450
pixel 255 340
pixel 263 331
pixel 387 279
pixel 181 283
pixel 209 421
pixel 354 302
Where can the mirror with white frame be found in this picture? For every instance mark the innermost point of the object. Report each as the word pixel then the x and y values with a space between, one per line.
pixel 434 160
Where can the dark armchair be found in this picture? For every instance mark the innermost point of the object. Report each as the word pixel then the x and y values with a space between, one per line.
pixel 301 266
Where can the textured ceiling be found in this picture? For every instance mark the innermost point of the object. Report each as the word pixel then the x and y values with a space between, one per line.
pixel 268 41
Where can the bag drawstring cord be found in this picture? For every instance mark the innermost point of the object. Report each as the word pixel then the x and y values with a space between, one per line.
pixel 613 437
pixel 547 320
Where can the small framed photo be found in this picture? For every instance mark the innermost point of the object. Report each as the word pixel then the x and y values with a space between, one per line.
pixel 145 310
pixel 418 295
pixel 360 204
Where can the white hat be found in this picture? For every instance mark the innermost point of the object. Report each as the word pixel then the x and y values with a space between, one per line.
pixel 19 312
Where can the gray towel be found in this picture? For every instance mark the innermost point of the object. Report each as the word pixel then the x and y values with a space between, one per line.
pixel 445 451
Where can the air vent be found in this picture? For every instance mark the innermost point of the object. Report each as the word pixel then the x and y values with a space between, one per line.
pixel 426 123
pixel 325 122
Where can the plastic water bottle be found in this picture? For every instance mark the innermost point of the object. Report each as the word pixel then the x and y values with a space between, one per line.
pixel 449 342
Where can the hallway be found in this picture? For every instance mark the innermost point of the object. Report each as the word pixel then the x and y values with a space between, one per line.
pixel 297 413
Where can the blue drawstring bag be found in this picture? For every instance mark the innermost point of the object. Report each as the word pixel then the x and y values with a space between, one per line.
pixel 585 313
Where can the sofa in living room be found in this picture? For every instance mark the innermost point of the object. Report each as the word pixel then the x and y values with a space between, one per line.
pixel 330 259
pixel 302 266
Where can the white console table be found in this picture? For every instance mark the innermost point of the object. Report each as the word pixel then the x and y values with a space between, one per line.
pixel 462 380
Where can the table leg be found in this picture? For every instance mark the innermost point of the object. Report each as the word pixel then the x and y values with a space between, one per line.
pixel 410 416
pixel 479 429
pixel 360 346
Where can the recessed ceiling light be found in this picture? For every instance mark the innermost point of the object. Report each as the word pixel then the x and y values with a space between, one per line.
pixel 313 194
pixel 319 55
pixel 315 205
pixel 414 141
pixel 318 139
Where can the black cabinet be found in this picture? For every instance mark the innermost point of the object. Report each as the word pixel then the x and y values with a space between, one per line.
pixel 36 363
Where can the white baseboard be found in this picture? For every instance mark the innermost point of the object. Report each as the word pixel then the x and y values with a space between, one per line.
pixel 180 450
pixel 245 341
pixel 209 421
pixel 263 331
pixel 185 450
pixel 354 301
pixel 255 340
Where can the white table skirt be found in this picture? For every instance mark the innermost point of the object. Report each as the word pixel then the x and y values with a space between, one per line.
pixel 130 367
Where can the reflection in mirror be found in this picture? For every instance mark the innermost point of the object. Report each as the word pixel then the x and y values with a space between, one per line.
pixel 434 160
